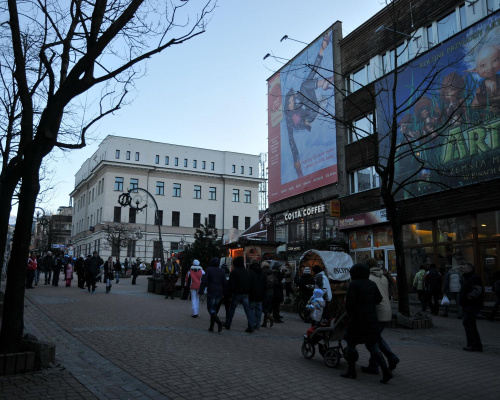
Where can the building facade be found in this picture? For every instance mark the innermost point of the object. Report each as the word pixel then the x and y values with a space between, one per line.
pixel 191 186
pixel 443 117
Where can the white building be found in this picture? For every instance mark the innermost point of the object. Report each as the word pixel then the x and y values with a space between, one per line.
pixel 190 186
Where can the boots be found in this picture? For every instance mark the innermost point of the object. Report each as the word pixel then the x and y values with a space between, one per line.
pixel 218 322
pixel 351 357
pixel 386 374
pixel 212 322
pixel 264 323
pixel 271 320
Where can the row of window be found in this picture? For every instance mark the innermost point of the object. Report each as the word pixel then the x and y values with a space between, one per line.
pixel 176 190
pixel 435 33
pixel 90 197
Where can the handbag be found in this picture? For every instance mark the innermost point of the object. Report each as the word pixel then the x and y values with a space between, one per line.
pixel 445 301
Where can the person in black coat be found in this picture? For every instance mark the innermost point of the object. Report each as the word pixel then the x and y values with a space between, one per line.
pixel 362 326
pixel 277 292
pixel 257 291
pixel 214 280
pixel 472 301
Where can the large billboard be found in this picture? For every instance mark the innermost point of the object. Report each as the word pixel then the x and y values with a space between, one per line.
pixel 301 131
pixel 448 114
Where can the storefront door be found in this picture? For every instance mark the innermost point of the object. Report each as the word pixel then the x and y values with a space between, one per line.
pixel 488 255
pixel 386 258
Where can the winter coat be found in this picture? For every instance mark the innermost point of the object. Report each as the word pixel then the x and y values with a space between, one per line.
pixel 69 272
pixel 361 299
pixel 270 280
pixel 432 281
pixel 32 264
pixel 215 281
pixel 452 282
pixel 306 285
pixel 47 263
pixel 384 309
pixel 315 305
pixel 471 293
pixel 287 274
pixel 322 282
pixel 95 265
pixel 418 281
pixel 278 296
pixel 239 280
pixel 195 274
pixel 109 269
pixel 118 266
pixel 258 283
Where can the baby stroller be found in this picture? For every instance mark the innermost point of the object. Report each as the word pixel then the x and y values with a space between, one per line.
pixel 328 338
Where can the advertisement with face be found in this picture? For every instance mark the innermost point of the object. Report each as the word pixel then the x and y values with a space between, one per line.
pixel 448 114
pixel 302 138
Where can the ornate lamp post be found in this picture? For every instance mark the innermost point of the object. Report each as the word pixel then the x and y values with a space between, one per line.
pixel 138 203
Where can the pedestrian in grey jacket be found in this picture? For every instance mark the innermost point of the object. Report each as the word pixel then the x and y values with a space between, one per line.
pixel 451 288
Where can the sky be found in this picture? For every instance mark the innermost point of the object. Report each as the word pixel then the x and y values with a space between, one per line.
pixel 211 92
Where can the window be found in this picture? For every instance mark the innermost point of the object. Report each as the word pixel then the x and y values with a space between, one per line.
pixel 402 54
pixel 415 47
pixel 364 179
pixel 117 154
pixel 236 195
pixel 447 26
pixel 176 161
pixel 233 168
pixel 185 162
pixel 166 160
pixel 248 196
pixel 157 159
pixel 160 188
pixel 463 16
pixel 137 156
pixel 177 190
pixel 195 164
pixel 203 164
pixel 127 156
pixel 90 193
pixel 159 217
pixel 361 128
pixel 197 192
pixel 212 166
pixel 119 184
pixel 134 184
pixel 359 78
pixel 98 188
pixel 211 220
pixel 157 249
pixel 131 248
pixel 176 216
pixel 242 169
pixel 196 220
pixel 235 221
pixel 93 191
pixel 430 37
pixel 131 215
pixel 247 222
pixel 490 7
pixel 117 215
pixel 250 170
pixel 212 193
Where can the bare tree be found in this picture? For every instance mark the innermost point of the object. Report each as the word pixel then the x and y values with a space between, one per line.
pixel 55 54
pixel 118 236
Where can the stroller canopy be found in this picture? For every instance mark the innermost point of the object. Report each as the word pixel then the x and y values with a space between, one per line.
pixel 337 265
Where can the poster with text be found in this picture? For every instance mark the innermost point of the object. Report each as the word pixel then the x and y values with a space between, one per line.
pixel 302 137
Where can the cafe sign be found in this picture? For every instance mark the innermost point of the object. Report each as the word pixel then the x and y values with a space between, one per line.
pixel 369 218
pixel 305 212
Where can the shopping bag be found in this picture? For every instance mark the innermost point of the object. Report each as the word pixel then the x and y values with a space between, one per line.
pixel 445 301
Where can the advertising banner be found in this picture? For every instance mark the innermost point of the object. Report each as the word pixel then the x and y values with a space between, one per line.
pixel 448 114
pixel 302 137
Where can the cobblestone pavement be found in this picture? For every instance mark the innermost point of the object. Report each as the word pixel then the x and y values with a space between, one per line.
pixel 131 344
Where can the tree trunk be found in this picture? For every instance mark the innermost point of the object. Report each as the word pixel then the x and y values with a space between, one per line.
pixel 13 313
pixel 397 236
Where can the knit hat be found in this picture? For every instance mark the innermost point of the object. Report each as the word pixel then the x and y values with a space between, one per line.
pixel 196 263
pixel 318 293
pixel 307 270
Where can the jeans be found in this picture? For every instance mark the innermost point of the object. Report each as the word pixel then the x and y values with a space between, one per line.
pixel 384 349
pixel 195 301
pixel 117 276
pixel 243 299
pixel 453 296
pixel 256 309
pixel 471 332
pixel 213 302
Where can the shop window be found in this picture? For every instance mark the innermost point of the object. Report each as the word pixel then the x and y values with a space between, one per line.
pixel 360 239
pixel 417 233
pixel 382 236
pixel 454 255
pixel 488 225
pixel 453 229
pixel 414 258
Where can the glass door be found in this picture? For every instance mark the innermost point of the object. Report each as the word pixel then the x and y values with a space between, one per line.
pixel 488 255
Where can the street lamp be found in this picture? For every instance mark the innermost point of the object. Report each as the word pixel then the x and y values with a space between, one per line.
pixel 125 199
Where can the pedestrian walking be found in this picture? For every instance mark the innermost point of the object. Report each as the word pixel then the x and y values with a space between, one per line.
pixel 278 297
pixel 214 280
pixel 170 277
pixel 56 268
pixel 257 292
pixel 108 273
pixel 288 277
pixel 433 284
pixel 239 286
pixel 471 300
pixel 94 267
pixel 47 267
pixel 226 299
pixel 31 270
pixel 193 281
pixel 418 284
pixel 135 272
pixel 39 268
pixel 117 269
pixel 384 315
pixel 451 288
pixel 267 302
pixel 80 271
pixel 362 326
pixel 69 274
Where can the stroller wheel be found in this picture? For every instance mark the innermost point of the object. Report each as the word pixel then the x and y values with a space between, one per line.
pixel 308 349
pixel 332 357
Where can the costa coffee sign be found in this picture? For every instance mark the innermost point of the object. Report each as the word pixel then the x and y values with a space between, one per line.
pixel 305 212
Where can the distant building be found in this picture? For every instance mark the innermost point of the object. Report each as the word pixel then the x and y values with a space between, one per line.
pixel 191 186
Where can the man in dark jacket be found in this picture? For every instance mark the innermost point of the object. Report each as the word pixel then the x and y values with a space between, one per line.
pixel 47 267
pixel 239 287
pixel 257 291
pixel 214 280
pixel 471 300
pixel 362 327
pixel 93 269
pixel 433 285
pixel 56 269
pixel 80 271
